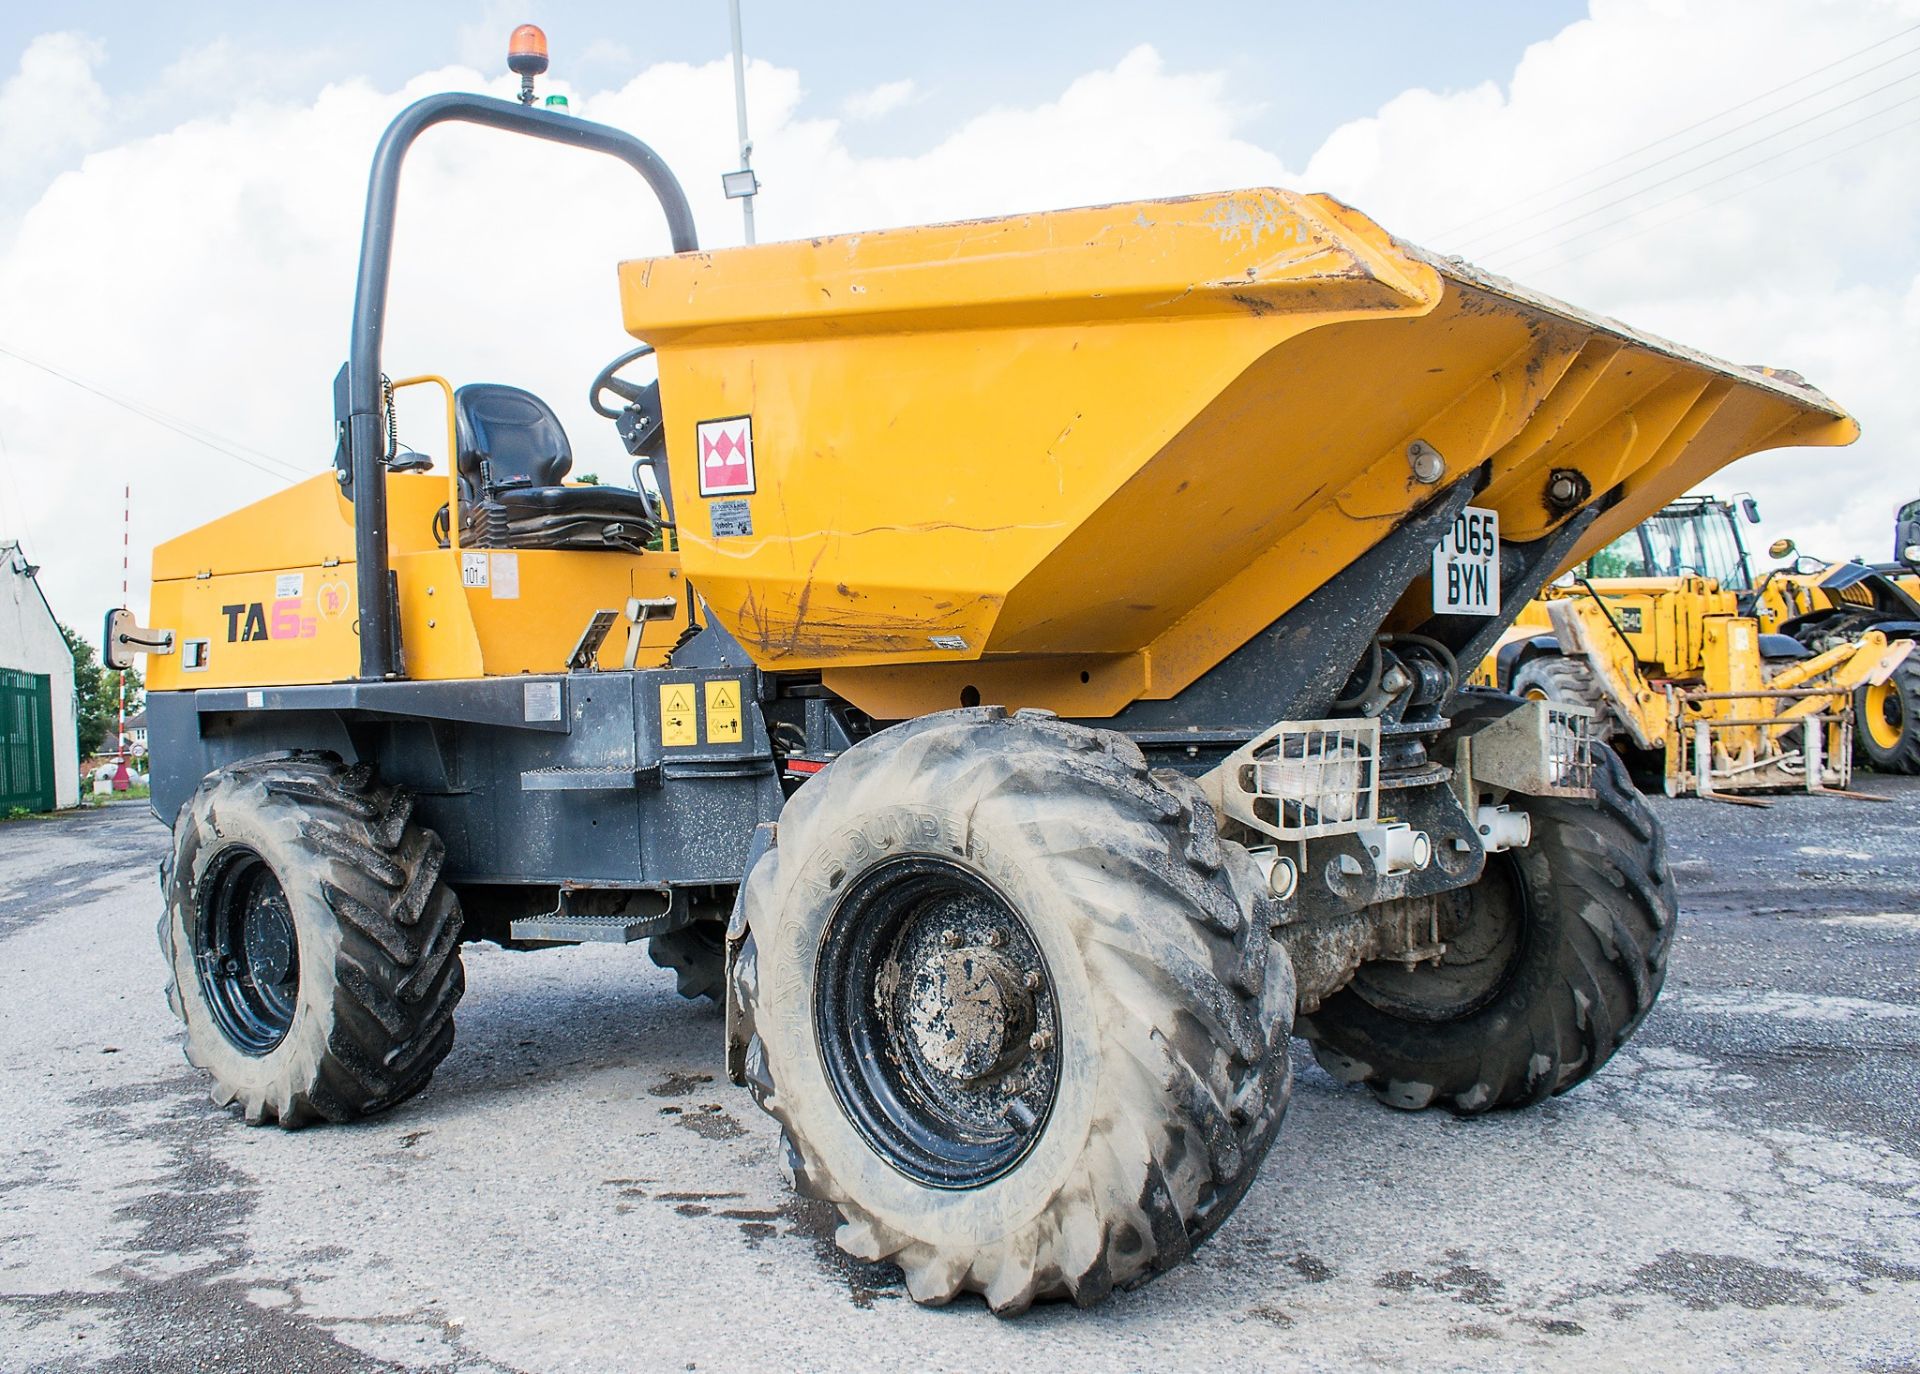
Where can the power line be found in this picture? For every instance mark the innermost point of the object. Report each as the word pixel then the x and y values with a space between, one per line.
pixel 1697 124
pixel 1697 167
pixel 198 434
pixel 1684 193
pixel 1731 195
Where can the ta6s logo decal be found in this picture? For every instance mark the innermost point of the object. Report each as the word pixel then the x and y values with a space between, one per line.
pixel 248 621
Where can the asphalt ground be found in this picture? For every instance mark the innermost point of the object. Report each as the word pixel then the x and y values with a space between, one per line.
pixel 580 1189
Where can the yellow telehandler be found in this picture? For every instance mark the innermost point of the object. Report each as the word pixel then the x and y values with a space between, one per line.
pixel 1731 682
pixel 1821 604
pixel 1024 682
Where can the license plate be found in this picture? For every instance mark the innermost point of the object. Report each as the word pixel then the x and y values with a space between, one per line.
pixel 1466 565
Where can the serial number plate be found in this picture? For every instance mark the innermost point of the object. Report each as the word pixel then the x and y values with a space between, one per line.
pixel 1466 565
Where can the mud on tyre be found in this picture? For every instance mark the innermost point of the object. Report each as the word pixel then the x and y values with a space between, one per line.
pixel 1560 955
pixel 311 946
pixel 1016 1007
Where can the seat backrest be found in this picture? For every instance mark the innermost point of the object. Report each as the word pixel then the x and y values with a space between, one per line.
pixel 508 438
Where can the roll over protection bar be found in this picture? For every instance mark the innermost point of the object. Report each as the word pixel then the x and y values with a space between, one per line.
pixel 362 450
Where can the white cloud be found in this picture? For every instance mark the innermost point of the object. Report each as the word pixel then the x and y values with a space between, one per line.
pixel 51 107
pixel 1814 271
pixel 879 101
pixel 606 52
pixel 208 270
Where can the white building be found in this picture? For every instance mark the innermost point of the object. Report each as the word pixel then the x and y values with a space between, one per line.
pixel 39 730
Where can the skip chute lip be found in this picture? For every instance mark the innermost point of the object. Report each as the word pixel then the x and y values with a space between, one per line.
pixel 1785 383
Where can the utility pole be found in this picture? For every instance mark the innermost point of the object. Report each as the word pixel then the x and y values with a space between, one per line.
pixel 741 185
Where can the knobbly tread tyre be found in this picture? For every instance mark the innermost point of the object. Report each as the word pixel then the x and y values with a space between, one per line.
pixel 1170 1097
pixel 1588 970
pixel 1904 756
pixel 697 957
pixel 1566 682
pixel 377 931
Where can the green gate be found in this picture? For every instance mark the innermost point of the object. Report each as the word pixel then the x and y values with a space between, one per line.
pixel 26 741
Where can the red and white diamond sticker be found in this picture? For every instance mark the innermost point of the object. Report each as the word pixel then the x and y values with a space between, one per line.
pixel 726 455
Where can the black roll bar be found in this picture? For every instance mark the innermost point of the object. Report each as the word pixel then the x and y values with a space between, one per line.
pixel 365 451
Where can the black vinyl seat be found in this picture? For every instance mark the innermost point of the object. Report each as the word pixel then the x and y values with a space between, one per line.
pixel 513 458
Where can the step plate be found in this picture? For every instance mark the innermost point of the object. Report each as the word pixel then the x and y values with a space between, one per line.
pixel 579 930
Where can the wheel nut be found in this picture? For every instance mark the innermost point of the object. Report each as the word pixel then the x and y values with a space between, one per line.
pixel 996 938
pixel 950 938
pixel 1041 1041
pixel 1031 982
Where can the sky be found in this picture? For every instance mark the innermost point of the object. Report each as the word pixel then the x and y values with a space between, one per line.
pixel 181 191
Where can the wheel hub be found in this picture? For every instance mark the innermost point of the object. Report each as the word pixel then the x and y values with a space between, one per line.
pixel 969 1014
pixel 268 936
pixel 247 953
pixel 937 1020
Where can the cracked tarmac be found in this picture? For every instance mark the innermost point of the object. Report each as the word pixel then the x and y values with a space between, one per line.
pixel 581 1189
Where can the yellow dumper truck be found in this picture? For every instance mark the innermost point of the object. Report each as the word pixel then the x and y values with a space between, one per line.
pixel 1026 682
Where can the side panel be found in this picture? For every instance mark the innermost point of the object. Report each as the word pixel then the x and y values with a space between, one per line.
pixel 639 779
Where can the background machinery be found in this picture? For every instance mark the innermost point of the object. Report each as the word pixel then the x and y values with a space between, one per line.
pixel 1821 604
pixel 1026 687
pixel 1665 634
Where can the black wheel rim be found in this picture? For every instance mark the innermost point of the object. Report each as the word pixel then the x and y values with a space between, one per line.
pixel 247 953
pixel 937 1021
pixel 1485 936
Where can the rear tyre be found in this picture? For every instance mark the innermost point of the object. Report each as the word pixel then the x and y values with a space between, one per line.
pixel 697 955
pixel 1564 682
pixel 1559 957
pixel 1886 719
pixel 1016 1007
pixel 313 949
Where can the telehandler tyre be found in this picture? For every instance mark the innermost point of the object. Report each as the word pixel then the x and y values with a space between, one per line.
pixel 1561 956
pixel 1016 1007
pixel 313 950
pixel 697 956
pixel 1887 720
pixel 1565 682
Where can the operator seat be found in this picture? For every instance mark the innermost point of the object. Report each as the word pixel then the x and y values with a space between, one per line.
pixel 513 456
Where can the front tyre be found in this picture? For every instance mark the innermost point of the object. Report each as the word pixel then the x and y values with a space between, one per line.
pixel 1887 720
pixel 1565 682
pixel 1557 956
pixel 1016 1007
pixel 311 944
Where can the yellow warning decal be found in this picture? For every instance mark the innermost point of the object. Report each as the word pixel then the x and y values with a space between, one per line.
pixel 723 711
pixel 676 714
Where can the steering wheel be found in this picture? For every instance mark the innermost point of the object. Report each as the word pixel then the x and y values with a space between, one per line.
pixel 619 386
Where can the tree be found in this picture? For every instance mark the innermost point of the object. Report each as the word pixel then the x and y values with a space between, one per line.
pixel 96 692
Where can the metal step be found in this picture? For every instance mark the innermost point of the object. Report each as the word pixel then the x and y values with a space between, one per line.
pixel 558 928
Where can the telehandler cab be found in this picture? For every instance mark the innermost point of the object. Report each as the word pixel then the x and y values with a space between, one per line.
pixel 1033 692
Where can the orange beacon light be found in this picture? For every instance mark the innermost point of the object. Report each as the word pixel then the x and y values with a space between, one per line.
pixel 527 57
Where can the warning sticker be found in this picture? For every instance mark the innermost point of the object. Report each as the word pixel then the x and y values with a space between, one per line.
pixel 289 585
pixel 726 456
pixel 723 711
pixel 677 724
pixel 473 570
